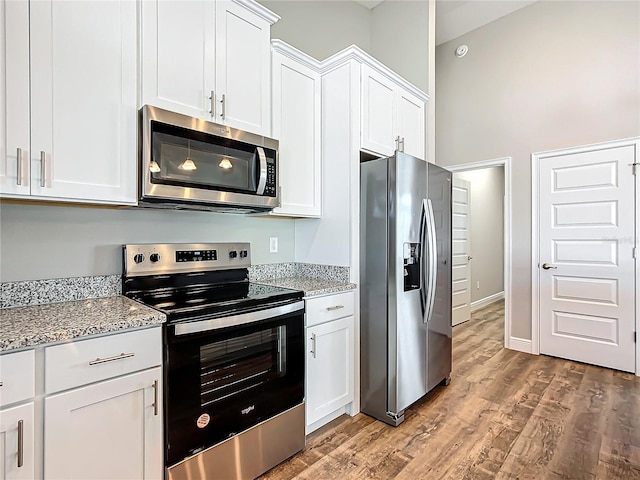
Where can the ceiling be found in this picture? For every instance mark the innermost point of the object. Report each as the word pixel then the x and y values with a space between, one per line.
pixel 457 17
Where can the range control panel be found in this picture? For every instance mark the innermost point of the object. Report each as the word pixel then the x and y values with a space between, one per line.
pixel 152 259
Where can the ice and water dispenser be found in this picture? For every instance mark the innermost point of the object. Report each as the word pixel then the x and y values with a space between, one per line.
pixel 411 261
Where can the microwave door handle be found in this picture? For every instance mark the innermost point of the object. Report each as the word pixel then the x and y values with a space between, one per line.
pixel 262 180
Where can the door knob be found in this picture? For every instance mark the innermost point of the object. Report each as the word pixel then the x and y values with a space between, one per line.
pixel 469 257
pixel 546 266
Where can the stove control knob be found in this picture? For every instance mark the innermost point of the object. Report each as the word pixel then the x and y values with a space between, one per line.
pixel 154 257
pixel 243 254
pixel 233 254
pixel 138 258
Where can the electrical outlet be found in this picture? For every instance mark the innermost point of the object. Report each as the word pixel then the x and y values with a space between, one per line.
pixel 478 285
pixel 273 245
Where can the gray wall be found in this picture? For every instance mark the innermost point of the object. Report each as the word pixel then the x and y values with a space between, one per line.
pixel 552 75
pixel 395 32
pixel 321 28
pixel 400 38
pixel 486 230
pixel 38 242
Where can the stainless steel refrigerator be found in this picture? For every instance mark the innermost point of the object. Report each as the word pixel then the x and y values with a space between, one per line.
pixel 405 283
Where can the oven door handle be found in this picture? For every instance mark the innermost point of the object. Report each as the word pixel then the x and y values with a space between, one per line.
pixel 240 319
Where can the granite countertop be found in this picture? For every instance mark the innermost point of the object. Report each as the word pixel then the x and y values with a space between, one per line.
pixel 310 286
pixel 36 325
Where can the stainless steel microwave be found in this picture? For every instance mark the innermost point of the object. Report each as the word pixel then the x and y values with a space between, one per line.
pixel 189 163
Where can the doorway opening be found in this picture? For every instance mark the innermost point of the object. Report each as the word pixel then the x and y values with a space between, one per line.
pixel 479 296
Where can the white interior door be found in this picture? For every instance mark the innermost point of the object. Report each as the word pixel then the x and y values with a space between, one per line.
pixel 586 266
pixel 461 268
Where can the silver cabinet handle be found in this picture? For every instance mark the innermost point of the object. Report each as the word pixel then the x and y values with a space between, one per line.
pixel 546 266
pixel 111 359
pixel 43 168
pixel 313 345
pixel 19 166
pixel 20 443
pixel 224 108
pixel 335 307
pixel 398 142
pixel 155 397
pixel 212 104
pixel 401 144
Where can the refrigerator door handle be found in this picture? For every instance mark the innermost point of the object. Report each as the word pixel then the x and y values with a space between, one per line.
pixel 423 260
pixel 431 255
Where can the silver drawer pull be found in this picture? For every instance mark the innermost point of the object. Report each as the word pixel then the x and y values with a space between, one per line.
pixel 111 359
pixel 19 166
pixel 155 397
pixel 20 443
pixel 335 307
pixel 313 345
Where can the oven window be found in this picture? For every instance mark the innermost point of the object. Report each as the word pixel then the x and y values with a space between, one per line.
pixel 237 365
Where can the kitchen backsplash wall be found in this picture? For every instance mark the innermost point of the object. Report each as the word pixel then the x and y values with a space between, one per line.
pixel 45 241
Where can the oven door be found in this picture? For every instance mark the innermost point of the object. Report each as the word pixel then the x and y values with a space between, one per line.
pixel 193 161
pixel 226 375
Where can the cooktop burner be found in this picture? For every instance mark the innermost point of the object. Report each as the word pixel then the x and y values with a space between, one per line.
pixel 196 281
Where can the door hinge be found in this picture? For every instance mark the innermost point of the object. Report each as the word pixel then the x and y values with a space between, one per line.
pixel 635 337
pixel 635 252
pixel 635 167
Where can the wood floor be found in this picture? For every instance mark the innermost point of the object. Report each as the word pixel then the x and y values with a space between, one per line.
pixel 505 415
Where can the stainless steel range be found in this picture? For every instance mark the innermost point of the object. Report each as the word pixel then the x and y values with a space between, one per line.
pixel 234 359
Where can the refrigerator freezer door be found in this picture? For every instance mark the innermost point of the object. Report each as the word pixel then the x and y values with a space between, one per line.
pixel 407 339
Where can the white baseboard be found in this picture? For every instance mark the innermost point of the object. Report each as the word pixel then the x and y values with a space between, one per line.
pixel 483 302
pixel 520 344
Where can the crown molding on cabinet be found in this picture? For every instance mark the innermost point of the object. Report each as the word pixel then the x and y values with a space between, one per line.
pixel 259 10
pixel 352 52
pixel 297 55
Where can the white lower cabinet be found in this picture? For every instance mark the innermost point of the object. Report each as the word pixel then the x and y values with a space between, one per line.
pixel 17 449
pixel 111 430
pixel 330 359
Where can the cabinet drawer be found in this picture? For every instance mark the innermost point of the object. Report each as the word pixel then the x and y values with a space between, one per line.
pixel 331 307
pixel 17 374
pixel 87 361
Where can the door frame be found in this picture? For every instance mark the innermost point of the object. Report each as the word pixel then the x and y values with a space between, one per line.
pixel 509 342
pixel 535 221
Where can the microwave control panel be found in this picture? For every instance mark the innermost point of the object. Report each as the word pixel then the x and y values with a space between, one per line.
pixel 270 187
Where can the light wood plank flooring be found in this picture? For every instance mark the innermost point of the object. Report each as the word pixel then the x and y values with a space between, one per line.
pixel 505 415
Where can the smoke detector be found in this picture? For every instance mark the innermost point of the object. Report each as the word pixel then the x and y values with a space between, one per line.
pixel 461 51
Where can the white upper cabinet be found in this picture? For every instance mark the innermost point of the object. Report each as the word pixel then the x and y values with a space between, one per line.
pixel 392 117
pixel 74 63
pixel 178 55
pixel 296 124
pixel 209 60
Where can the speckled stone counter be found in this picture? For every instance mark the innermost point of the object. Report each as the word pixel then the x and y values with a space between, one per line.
pixel 36 325
pixel 311 287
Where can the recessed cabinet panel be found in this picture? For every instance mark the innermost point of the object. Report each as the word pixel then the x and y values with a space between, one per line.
pixel 377 112
pixel 329 368
pixel 106 431
pixel 296 124
pixel 17 433
pixel 14 98
pixel 83 124
pixel 178 55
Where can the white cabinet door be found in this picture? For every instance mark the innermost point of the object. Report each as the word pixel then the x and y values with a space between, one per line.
pixel 110 430
pixel 410 112
pixel 243 68
pixel 17 449
pixel 14 98
pixel 329 367
pixel 296 124
pixel 378 97
pixel 83 100
pixel 178 56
